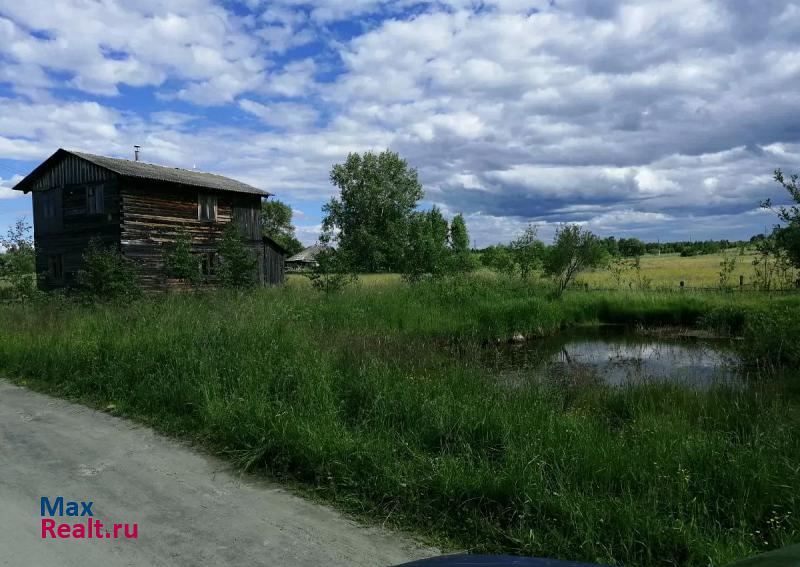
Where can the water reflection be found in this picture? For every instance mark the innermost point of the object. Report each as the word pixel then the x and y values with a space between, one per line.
pixel 615 357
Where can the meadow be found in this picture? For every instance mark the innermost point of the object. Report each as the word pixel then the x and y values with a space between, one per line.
pixel 375 400
pixel 668 270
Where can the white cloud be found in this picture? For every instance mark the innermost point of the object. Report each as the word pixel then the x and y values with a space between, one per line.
pixel 7 188
pixel 614 114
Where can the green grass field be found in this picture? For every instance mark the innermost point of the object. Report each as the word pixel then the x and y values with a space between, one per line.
pixel 375 400
pixel 665 271
pixel 668 270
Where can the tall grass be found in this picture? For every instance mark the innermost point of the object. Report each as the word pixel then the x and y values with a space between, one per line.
pixel 375 400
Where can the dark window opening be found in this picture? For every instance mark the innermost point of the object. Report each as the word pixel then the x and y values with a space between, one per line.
pixel 56 267
pixel 208 264
pixel 49 204
pixel 95 204
pixel 207 207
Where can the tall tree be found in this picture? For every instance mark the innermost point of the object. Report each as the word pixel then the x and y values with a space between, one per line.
pixel 788 237
pixel 527 251
pixel 370 218
pixel 426 252
pixel 276 223
pixel 574 250
pixel 459 237
pixel 19 260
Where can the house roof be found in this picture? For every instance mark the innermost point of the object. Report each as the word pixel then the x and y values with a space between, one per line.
pixel 275 244
pixel 307 255
pixel 142 170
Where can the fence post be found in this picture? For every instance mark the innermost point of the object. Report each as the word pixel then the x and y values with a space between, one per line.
pixel 741 281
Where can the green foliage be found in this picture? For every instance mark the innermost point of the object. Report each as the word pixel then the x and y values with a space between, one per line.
pixel 18 265
pixel 180 260
pixel 787 237
pixel 276 223
pixel 527 252
pixel 499 258
pixel 238 264
pixel 426 252
pixel 628 272
pixel 106 274
pixel 378 193
pixel 331 273
pixel 631 247
pixel 459 237
pixel 727 267
pixel 574 250
pixel 772 266
pixel 379 400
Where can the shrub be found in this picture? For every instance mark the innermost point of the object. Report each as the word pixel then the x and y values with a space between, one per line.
pixel 19 262
pixel 237 263
pixel 180 260
pixel 331 275
pixel 107 274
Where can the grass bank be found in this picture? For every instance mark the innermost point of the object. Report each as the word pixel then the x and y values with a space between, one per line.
pixel 375 401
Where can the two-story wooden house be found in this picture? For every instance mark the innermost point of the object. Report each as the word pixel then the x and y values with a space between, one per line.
pixel 139 208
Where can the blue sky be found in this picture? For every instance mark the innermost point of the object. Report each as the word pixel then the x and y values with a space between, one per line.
pixel 661 119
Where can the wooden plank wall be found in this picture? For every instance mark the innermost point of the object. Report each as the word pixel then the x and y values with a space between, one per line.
pixel 155 213
pixel 273 265
pixel 69 231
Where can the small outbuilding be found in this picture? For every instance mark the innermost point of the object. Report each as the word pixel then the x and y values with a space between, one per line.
pixel 140 208
pixel 305 259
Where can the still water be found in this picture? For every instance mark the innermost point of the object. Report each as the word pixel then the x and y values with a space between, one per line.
pixel 615 356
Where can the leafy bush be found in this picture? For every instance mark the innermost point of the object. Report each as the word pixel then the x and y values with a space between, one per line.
pixel 237 263
pixel 180 260
pixel 331 274
pixel 18 265
pixel 107 274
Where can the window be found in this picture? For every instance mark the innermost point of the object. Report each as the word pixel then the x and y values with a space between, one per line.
pixel 55 265
pixel 94 200
pixel 208 264
pixel 207 207
pixel 49 204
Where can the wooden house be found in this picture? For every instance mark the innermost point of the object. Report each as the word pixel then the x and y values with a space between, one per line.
pixel 139 208
pixel 306 259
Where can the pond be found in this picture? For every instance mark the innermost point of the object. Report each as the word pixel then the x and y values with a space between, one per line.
pixel 616 356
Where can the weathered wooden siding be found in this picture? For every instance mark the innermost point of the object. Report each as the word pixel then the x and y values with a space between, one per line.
pixel 153 214
pixel 71 171
pixel 68 231
pixel 273 265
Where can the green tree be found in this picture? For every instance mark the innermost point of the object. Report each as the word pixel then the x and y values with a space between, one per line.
pixel 370 218
pixel 499 259
pixel 788 237
pixel 461 259
pixel 180 259
pixel 631 247
pixel 426 251
pixel 276 223
pixel 331 273
pixel 237 262
pixel 19 261
pixel 459 237
pixel 527 251
pixel 574 250
pixel 106 273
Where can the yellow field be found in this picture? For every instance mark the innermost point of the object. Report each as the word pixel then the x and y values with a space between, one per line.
pixel 667 270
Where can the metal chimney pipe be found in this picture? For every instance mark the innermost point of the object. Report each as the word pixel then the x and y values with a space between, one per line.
pixel 136 152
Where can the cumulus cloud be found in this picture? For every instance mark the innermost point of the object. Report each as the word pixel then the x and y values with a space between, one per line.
pixel 7 187
pixel 640 117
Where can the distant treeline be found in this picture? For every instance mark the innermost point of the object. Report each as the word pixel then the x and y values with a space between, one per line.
pixel 633 247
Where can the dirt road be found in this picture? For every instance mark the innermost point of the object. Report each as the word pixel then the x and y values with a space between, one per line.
pixel 189 509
